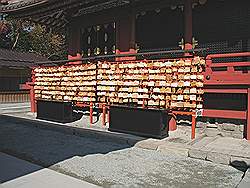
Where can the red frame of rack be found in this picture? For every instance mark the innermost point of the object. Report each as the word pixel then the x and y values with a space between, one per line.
pixel 228 81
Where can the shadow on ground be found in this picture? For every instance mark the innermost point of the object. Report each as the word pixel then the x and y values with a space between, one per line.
pixel 47 147
pixel 12 168
pixel 240 165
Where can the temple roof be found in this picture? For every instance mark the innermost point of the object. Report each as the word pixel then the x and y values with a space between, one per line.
pixel 18 59
pixel 19 4
pixel 57 14
pixel 16 6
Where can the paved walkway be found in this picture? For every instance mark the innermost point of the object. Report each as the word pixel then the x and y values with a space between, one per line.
pixel 224 150
pixel 221 150
pixel 6 108
pixel 22 174
pixel 108 163
pixel 217 149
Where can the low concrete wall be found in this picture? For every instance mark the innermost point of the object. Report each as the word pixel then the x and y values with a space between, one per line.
pixel 18 96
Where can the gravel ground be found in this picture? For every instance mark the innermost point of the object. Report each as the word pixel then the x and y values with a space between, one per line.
pixel 111 164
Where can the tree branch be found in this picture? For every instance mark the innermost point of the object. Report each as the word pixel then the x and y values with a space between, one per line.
pixel 16 40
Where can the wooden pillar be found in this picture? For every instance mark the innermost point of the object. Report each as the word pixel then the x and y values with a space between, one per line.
pixel 125 33
pixel 188 21
pixel 193 126
pixel 91 106
pixel 33 104
pixel 248 115
pixel 132 30
pixel 74 38
pixel 172 123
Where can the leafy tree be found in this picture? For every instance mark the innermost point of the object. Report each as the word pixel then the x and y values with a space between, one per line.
pixel 25 36
pixel 5 30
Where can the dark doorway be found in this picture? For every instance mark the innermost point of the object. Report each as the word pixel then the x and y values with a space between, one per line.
pixel 98 40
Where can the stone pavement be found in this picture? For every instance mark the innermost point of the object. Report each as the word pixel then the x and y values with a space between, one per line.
pixel 217 149
pixel 6 108
pixel 108 163
pixel 221 150
pixel 22 174
pixel 245 182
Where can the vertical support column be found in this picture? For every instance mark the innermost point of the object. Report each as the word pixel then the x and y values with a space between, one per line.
pixel 132 29
pixel 193 126
pixel 32 93
pixel 125 35
pixel 208 65
pixel 32 100
pixel 172 123
pixel 77 57
pixel 91 113
pixel 108 113
pixel 103 115
pixel 188 19
pixel 74 39
pixel 248 115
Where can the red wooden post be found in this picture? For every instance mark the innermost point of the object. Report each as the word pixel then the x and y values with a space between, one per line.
pixel 91 113
pixel 32 100
pixel 172 123
pixel 32 93
pixel 193 126
pixel 103 115
pixel 143 104
pixel 208 70
pixel 77 57
pixel 131 51
pixel 109 112
pixel 248 114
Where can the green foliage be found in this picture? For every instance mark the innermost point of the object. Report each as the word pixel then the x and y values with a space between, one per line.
pixel 5 30
pixel 25 36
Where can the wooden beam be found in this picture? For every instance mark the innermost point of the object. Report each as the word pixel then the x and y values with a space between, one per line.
pixel 239 91
pixel 229 114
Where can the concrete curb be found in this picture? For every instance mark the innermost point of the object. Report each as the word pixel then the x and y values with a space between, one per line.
pixel 66 129
pixel 220 158
pixel 245 182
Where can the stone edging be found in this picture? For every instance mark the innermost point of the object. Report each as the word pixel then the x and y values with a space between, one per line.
pixel 72 130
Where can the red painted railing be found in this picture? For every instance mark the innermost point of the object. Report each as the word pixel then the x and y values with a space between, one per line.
pixel 228 81
pixel 230 76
